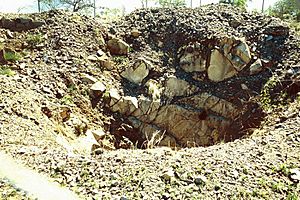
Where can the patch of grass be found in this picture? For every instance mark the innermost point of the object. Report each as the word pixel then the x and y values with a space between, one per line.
pixel 268 101
pixel 7 71
pixel 12 56
pixel 263 182
pixel 154 140
pixel 121 60
pixel 277 187
pixel 284 169
pixel 292 196
pixel 35 39
pixel 67 100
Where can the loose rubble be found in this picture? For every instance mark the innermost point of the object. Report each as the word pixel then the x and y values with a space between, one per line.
pixel 74 92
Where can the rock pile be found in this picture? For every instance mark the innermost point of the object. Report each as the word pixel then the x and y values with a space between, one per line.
pixel 173 76
pixel 194 75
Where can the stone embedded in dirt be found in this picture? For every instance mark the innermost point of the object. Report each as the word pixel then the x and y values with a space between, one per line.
pixel 97 89
pixel 88 79
pixel 220 67
pixel 200 180
pixel 256 67
pixel 138 71
pixel 135 33
pixel 117 46
pixel 168 175
pixel 295 175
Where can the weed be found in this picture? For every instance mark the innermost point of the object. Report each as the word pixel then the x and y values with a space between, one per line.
pixel 7 71
pixel 262 182
pixel 12 56
pixel 284 169
pixel 277 187
pixel 67 100
pixel 292 196
pixel 121 60
pixel 72 88
pixel 35 39
pixel 155 139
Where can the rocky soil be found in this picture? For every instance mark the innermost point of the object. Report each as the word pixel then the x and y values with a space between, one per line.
pixel 79 98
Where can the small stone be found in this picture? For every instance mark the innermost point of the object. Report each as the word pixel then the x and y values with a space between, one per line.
pixel 168 175
pixel 88 79
pixel 200 180
pixel 46 89
pixel 123 198
pixel 235 174
pixel 98 87
pixel 295 174
pixel 9 34
pixel 22 65
pixel 98 151
pixel 244 86
pixel 135 33
pixel 92 58
pixel 256 67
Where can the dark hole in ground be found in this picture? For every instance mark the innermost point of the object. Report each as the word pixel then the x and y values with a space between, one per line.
pixel 191 83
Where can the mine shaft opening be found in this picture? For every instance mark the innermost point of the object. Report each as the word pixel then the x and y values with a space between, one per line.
pixel 208 92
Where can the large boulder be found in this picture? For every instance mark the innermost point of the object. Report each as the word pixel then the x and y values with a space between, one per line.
pixel 220 67
pixel 117 46
pixel 137 72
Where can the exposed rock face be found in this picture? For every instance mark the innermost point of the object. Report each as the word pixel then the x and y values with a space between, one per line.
pixel 196 86
pixel 202 123
pixel 191 60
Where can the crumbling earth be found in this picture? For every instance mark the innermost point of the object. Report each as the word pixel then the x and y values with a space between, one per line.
pixel 71 86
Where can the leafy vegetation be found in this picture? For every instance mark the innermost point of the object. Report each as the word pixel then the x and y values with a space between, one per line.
pixel 6 71
pixel 238 3
pixel 171 3
pixel 12 56
pixel 286 9
pixel 74 5
pixel 35 39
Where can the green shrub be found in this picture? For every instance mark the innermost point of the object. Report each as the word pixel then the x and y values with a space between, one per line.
pixel 35 39
pixel 7 71
pixel 12 56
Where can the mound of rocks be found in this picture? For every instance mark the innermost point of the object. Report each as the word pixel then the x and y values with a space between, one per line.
pixel 164 76
pixel 194 76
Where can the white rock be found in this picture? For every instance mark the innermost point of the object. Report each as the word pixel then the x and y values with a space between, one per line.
pixel 220 67
pixel 256 67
